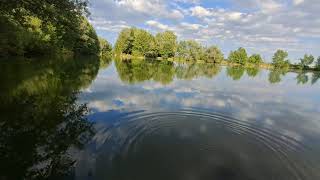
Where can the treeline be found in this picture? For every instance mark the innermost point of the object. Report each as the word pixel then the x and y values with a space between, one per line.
pixel 134 71
pixel 138 42
pixel 41 27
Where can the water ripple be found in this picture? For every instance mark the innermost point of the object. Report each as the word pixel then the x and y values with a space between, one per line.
pixel 137 127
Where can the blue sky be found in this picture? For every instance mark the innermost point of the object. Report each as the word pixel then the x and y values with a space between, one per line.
pixel 261 26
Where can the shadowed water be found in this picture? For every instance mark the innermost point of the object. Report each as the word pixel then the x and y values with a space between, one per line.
pixel 158 120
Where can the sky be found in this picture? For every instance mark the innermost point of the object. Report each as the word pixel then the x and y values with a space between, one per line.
pixel 260 26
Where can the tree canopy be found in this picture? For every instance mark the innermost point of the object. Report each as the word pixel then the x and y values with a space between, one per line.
pixel 46 26
pixel 190 50
pixel 166 43
pixel 239 56
pixel 306 61
pixel 280 59
pixel 255 59
pixel 139 42
pixel 214 54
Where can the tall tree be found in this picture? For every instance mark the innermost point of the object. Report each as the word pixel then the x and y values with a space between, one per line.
pixel 191 50
pixel 306 61
pixel 143 42
pixel 105 47
pixel 239 56
pixel 214 54
pixel 255 59
pixel 124 42
pixel 280 59
pixel 167 44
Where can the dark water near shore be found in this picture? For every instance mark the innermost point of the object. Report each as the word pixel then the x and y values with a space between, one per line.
pixel 101 119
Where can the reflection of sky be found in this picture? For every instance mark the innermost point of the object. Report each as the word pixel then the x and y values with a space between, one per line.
pixel 284 108
pixel 250 98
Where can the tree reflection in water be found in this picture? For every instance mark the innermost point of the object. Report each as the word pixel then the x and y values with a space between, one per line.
pixel 235 72
pixel 134 71
pixel 41 122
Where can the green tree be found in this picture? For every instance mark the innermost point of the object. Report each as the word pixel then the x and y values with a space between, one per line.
pixel 239 56
pixel 280 59
pixel 125 41
pixel 87 42
pixel 191 50
pixel 306 61
pixel 105 47
pixel 255 59
pixel 214 54
pixel 143 42
pixel 45 26
pixel 167 44
pixel 318 63
pixel 136 42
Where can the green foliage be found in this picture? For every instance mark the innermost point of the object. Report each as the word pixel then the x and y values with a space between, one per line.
pixel 255 59
pixel 214 54
pixel 135 70
pixel 318 63
pixel 275 75
pixel 124 42
pixel 40 111
pixel 239 56
pixel 45 26
pixel 87 41
pixel 136 42
pixel 193 70
pixel 143 43
pixel 306 61
pixel 302 78
pixel 167 44
pixel 252 71
pixel 18 40
pixel 190 50
pixel 279 59
pixel 105 47
pixel 235 72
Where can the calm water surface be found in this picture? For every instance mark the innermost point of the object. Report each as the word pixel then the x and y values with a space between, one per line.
pixel 142 120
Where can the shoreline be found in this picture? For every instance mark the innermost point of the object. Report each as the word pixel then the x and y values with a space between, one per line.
pixel 267 66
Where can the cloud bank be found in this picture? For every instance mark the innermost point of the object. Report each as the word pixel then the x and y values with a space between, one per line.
pixel 261 26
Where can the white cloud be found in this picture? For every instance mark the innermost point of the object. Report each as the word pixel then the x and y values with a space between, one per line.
pixel 264 24
pixel 297 2
pixel 150 7
pixel 199 11
pixel 157 25
pixel 269 6
pixel 191 26
pixel 189 1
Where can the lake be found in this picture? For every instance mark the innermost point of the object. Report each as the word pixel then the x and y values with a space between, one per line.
pixel 90 118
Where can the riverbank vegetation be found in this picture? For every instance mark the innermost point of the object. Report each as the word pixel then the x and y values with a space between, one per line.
pixel 33 28
pixel 139 43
